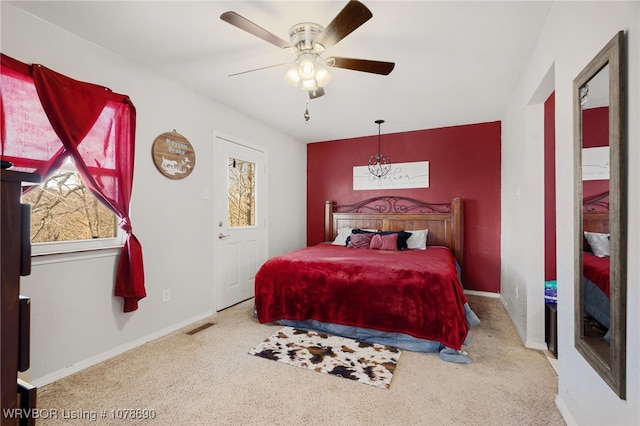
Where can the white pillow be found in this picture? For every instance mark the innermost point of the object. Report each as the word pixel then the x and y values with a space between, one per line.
pixel 599 243
pixel 344 233
pixel 341 238
pixel 418 240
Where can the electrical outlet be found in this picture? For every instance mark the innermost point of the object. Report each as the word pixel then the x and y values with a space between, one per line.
pixel 166 296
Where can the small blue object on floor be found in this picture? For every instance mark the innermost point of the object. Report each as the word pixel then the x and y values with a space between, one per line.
pixel 452 355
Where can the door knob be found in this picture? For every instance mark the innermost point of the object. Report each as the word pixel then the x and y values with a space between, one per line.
pixel 222 236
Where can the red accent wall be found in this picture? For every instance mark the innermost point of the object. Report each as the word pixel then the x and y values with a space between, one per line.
pixel 595 127
pixel 550 188
pixel 464 161
pixel 595 133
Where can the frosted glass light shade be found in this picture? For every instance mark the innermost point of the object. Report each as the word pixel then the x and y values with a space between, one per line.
pixel 291 76
pixel 306 65
pixel 323 76
pixel 309 84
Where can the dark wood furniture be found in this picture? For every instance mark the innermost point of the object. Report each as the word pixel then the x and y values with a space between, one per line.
pixel 551 327
pixel 15 260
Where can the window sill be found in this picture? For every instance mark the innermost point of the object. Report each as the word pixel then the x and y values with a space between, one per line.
pixel 74 255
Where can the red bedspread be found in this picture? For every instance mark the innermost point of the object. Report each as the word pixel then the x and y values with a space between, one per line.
pixel 596 269
pixel 416 292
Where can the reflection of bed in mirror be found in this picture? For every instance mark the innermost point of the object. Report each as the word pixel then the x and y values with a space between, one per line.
pixel 596 265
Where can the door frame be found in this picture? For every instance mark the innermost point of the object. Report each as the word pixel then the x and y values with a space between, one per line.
pixel 264 204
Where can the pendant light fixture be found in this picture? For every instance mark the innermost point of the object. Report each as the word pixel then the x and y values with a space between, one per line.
pixel 379 165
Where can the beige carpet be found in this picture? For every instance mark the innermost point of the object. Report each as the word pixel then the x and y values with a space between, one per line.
pixel 208 378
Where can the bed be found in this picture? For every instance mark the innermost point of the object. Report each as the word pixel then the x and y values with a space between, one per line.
pixel 595 260
pixel 408 298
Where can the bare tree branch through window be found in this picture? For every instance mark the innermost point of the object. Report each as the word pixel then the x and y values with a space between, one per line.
pixel 241 196
pixel 63 209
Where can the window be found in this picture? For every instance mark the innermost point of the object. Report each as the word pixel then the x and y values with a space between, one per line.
pixel 242 188
pixel 66 217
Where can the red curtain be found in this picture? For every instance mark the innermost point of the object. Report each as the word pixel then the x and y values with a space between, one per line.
pixel 46 117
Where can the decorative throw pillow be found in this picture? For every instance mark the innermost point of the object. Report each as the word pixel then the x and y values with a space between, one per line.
pixel 403 236
pixel 360 240
pixel 359 231
pixel 418 240
pixel 599 243
pixel 384 242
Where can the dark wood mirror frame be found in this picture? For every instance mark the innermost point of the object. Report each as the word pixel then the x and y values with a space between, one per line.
pixel 608 360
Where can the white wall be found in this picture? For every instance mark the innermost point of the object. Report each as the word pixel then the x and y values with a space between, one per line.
pixel 574 33
pixel 75 319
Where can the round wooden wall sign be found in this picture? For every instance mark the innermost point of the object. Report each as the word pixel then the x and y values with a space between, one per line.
pixel 173 155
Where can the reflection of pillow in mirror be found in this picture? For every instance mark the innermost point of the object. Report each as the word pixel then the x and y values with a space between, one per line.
pixel 599 243
pixel 418 240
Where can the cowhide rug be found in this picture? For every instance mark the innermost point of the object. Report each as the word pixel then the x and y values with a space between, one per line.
pixel 368 363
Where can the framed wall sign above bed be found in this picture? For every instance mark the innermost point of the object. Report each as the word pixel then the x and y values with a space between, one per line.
pixel 400 175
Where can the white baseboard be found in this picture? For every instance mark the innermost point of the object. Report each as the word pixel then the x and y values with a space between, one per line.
pixel 482 293
pixel 536 345
pixel 566 414
pixel 86 363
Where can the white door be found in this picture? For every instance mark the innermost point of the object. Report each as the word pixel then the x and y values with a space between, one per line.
pixel 240 219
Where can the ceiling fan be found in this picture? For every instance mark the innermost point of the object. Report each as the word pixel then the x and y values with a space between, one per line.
pixel 308 41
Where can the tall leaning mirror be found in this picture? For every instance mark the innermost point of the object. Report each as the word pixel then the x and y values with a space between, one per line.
pixel 599 93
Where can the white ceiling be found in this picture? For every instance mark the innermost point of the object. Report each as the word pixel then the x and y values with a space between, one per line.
pixel 456 62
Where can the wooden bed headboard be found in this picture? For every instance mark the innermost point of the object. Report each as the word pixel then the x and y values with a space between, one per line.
pixel 388 213
pixel 595 213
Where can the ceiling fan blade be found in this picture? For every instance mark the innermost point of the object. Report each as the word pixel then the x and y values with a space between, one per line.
pixel 364 65
pixel 316 93
pixel 244 24
pixel 258 69
pixel 350 17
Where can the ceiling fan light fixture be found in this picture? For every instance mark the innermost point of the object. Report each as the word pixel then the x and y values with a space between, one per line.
pixel 309 41
pixel 307 72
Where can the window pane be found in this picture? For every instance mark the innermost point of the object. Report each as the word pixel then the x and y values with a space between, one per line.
pixel 241 198
pixel 63 209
